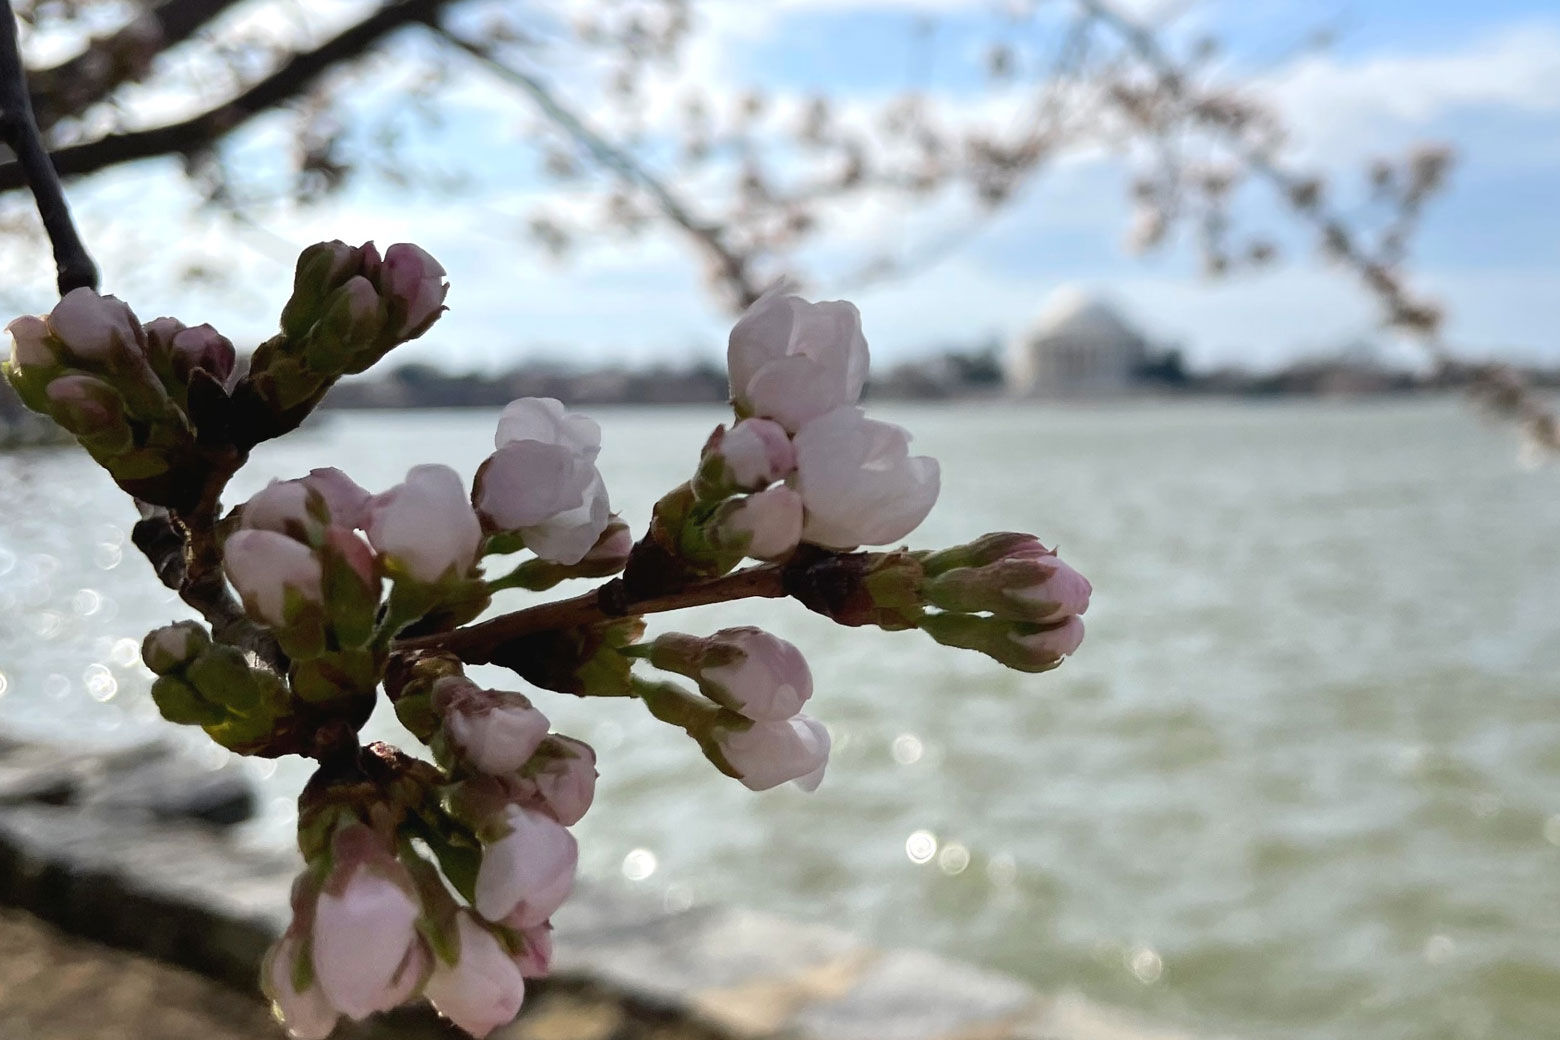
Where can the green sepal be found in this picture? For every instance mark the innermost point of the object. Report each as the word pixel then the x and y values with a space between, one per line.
pixel 223 676
pixel 181 703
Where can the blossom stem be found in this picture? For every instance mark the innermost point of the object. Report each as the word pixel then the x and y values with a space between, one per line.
pixel 474 643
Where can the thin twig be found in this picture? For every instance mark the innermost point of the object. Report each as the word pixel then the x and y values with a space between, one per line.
pixel 733 267
pixel 71 260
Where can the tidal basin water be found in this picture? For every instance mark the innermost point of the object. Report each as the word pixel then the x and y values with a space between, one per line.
pixel 1302 780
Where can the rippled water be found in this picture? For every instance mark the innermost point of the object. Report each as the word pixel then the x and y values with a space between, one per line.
pixel 1302 780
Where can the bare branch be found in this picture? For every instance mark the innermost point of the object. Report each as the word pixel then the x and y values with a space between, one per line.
pixel 733 267
pixel 202 131
pixel 124 56
pixel 71 260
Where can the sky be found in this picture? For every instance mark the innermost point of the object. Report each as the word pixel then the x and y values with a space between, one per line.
pixel 1483 77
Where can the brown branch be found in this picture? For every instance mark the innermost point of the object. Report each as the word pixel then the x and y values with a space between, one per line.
pixel 733 268
pixel 108 63
pixel 201 131
pixel 72 262
pixel 474 643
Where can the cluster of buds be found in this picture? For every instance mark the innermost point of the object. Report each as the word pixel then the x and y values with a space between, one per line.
pixel 376 923
pixel 127 392
pixel 802 463
pixel 349 307
pixel 750 724
pixel 439 878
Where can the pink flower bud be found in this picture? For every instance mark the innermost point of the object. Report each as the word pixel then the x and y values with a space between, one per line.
pixel 496 732
pixel 767 754
pixel 755 674
pixel 87 406
pixel 358 554
pixel 859 482
pixel 1049 645
pixel 767 525
pixel 1056 590
pixel 484 988
pixel 368 956
pixel 551 494
pixel 94 328
pixel 306 1014
pixel 415 281
pixel 535 959
pixel 425 527
pixel 792 361
pixel 263 565
pixel 561 778
pixel 202 347
pixel 527 873
pixel 30 344
pixel 284 505
pixel 545 419
pixel 754 454
pixel 610 553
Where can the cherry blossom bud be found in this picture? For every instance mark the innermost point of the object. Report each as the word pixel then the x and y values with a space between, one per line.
pixel 413 284
pixel 535 958
pixel 767 754
pixel 765 526
pixel 321 268
pixel 306 1014
pixel 528 872
pixel 284 505
pixel 748 457
pixel 91 409
pixel 167 649
pixel 610 553
pixel 859 482
pixel 30 344
pixel 755 674
pixel 496 732
pixel 202 347
pixel 792 361
pixel 93 328
pixel 424 526
pixel 484 988
pixel 1019 645
pixel 368 956
pixel 1052 642
pixel 1031 586
pixel 546 420
pixel 542 482
pixel 353 320
pixel 264 565
pixel 561 778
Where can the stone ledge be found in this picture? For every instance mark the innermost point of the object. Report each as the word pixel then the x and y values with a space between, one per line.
pixel 137 863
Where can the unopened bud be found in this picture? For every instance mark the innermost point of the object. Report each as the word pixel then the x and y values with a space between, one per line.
pixel 90 409
pixel 747 670
pixel 988 548
pixel 30 344
pixel 321 268
pixel 1036 587
pixel 414 288
pixel 95 329
pixel 749 457
pixel 202 347
pixel 353 320
pixel 767 754
pixel 169 648
pixel 1019 645
pixel 765 526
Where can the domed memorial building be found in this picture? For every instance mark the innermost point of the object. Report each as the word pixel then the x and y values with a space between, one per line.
pixel 1078 346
